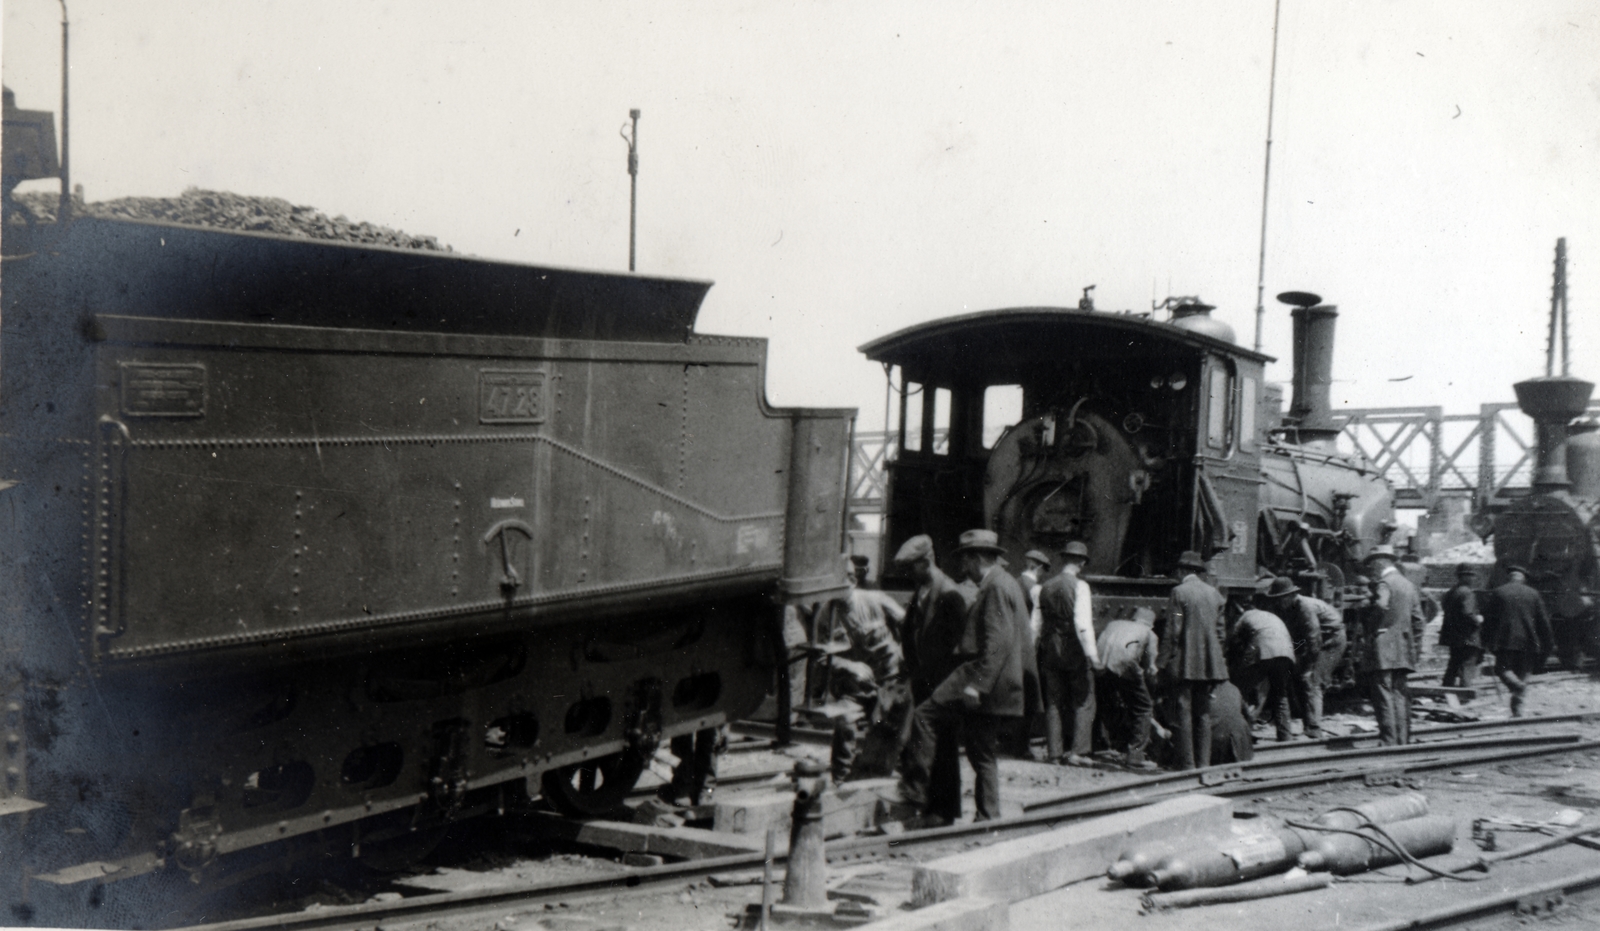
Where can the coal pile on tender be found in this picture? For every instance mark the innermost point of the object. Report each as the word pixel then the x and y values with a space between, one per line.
pixel 225 210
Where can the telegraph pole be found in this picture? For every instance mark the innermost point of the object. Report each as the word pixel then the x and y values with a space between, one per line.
pixel 631 137
pixel 64 211
pixel 1266 177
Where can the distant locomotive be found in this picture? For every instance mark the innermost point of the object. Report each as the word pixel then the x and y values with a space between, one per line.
pixel 1140 437
pixel 1554 531
pixel 306 539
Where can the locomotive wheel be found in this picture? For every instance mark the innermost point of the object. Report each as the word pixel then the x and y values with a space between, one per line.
pixel 593 787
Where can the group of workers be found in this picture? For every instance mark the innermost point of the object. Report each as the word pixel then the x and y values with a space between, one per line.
pixel 978 661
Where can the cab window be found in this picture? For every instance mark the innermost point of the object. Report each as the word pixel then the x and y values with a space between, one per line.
pixel 1002 409
pixel 1217 408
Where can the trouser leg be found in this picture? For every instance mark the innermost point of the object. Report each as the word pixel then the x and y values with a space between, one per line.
pixel 1388 706
pixel 1183 736
pixel 1402 688
pixel 1201 709
pixel 1280 676
pixel 982 732
pixel 1136 699
pixel 944 779
pixel 1053 680
pixel 1083 709
pixel 1463 668
pixel 1305 687
pixel 1513 668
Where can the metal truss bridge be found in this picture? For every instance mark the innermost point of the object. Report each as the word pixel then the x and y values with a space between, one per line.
pixel 1424 452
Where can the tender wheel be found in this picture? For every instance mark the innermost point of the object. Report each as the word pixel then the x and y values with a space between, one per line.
pixel 594 787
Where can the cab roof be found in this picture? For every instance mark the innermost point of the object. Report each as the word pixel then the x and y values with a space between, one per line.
pixel 1018 334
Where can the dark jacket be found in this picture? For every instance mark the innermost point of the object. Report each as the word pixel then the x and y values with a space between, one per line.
pixel 1191 645
pixel 1517 620
pixel 1394 625
pixel 1312 623
pixel 1058 632
pixel 935 620
pixel 1460 626
pixel 996 638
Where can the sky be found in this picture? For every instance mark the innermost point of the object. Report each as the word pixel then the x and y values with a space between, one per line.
pixel 845 169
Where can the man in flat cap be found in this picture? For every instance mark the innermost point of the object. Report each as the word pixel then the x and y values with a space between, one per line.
pixel 1068 658
pixel 1314 626
pixel 1462 630
pixel 1393 646
pixel 867 680
pixel 934 622
pixel 1191 658
pixel 984 693
pixel 1517 631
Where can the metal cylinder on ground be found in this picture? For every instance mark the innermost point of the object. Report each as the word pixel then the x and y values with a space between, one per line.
pixel 1242 857
pixel 1384 810
pixel 1349 853
pixel 805 884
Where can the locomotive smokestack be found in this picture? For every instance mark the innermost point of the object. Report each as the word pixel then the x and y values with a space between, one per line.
pixel 1553 402
pixel 1311 411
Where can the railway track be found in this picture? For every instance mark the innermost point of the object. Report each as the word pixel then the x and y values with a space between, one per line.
pixel 1295 765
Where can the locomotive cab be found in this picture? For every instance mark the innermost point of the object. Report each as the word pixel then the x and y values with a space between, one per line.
pixel 1141 438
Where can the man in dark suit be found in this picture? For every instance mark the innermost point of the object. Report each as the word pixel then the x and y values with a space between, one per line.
pixel 934 622
pixel 1191 659
pixel 1517 631
pixel 985 693
pixel 1393 647
pixel 1462 630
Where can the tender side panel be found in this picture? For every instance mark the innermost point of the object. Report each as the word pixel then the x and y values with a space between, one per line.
pixel 257 494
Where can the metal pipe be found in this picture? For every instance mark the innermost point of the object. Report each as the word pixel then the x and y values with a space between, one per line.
pixel 64 211
pixel 1266 176
pixel 805 881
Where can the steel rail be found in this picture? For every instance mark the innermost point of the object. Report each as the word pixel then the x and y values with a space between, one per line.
pixel 1455 915
pixel 440 905
pixel 1226 772
pixel 1577 717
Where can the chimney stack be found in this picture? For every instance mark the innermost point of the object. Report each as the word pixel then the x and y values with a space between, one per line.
pixel 1311 409
pixel 1553 402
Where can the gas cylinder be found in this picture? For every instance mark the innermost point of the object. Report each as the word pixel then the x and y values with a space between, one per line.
pixel 1384 810
pixel 1347 853
pixel 1242 857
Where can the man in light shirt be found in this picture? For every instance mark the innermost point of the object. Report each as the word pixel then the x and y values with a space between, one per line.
pixel 1068 658
pixel 1128 649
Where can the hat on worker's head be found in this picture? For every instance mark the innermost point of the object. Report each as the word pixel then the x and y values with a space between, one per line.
pixel 1076 550
pixel 980 541
pixel 859 560
pixel 1513 567
pixel 1381 551
pixel 1465 570
pixel 1037 556
pixel 1191 560
pixel 1282 587
pixel 918 547
pixel 1144 616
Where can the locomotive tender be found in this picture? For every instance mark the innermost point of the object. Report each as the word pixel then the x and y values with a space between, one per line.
pixel 311 538
pixel 1142 438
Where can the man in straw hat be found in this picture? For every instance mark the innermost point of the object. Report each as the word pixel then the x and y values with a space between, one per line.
pixel 1394 625
pixel 985 693
pixel 1191 658
pixel 1462 630
pixel 1518 633
pixel 1068 658
pixel 935 620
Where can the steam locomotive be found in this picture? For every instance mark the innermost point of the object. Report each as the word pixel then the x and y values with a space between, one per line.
pixel 1141 437
pixel 1554 531
pixel 321 542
